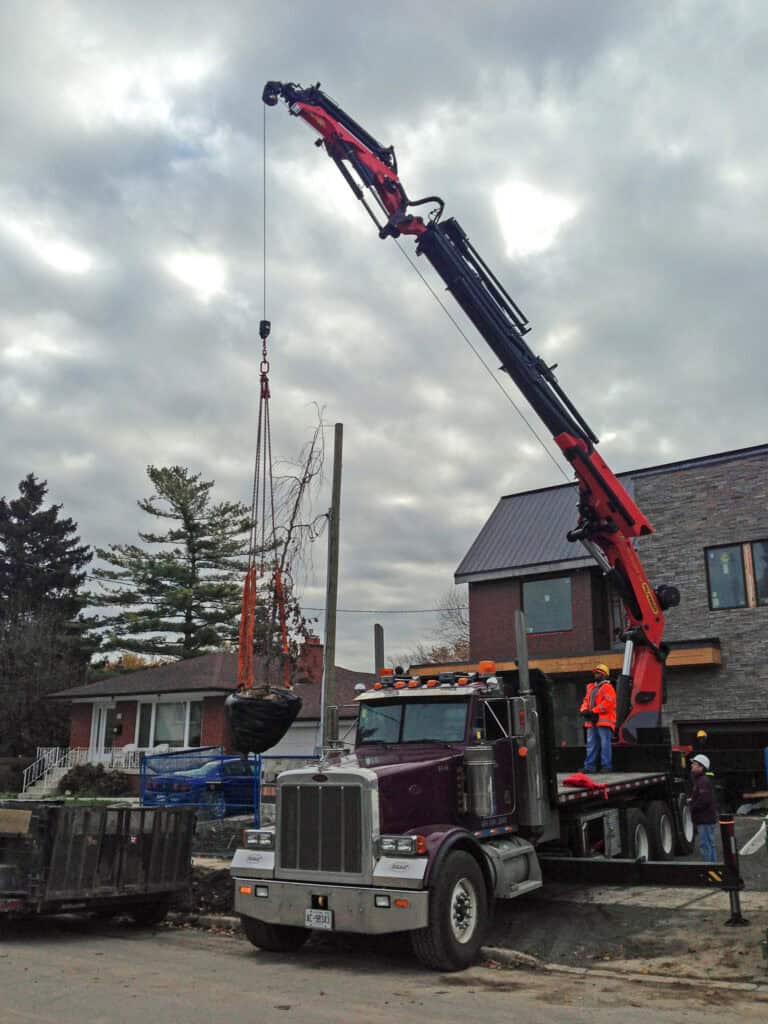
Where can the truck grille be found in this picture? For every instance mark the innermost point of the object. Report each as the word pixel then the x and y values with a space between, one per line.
pixel 320 828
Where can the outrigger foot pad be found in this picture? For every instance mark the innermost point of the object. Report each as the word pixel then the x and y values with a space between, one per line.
pixel 259 722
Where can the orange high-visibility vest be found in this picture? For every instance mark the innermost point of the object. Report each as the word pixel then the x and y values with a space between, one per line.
pixel 601 698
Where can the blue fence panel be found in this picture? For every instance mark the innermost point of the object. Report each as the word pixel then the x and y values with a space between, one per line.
pixel 220 785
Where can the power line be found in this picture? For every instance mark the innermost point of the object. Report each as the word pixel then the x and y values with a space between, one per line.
pixel 386 611
pixel 487 368
pixel 346 611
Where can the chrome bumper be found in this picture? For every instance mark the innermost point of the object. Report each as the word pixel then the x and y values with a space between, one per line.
pixel 354 909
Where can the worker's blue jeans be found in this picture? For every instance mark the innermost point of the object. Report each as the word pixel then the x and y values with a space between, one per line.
pixel 599 742
pixel 706 834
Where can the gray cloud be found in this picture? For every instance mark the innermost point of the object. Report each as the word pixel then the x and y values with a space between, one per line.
pixel 133 132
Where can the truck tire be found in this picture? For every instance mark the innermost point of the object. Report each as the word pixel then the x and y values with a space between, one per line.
pixel 661 830
pixel 684 828
pixel 148 914
pixel 458 916
pixel 637 843
pixel 275 938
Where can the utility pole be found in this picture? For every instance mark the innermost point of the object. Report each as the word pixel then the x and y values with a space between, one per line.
pixel 378 648
pixel 329 712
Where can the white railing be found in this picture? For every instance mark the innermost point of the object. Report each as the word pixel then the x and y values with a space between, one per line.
pixel 51 758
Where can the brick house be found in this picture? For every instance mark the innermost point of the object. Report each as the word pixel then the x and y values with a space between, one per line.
pixel 181 704
pixel 710 515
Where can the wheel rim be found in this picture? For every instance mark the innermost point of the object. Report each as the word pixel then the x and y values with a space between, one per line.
pixel 641 842
pixel 463 911
pixel 686 820
pixel 666 834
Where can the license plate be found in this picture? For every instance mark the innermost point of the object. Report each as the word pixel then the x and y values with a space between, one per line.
pixel 322 919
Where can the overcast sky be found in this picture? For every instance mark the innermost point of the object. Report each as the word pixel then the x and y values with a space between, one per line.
pixel 607 159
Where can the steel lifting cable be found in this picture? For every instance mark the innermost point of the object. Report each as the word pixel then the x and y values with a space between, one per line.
pixel 263 534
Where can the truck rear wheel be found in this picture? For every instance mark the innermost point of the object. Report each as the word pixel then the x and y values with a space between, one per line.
pixel 637 844
pixel 661 828
pixel 275 938
pixel 684 828
pixel 458 916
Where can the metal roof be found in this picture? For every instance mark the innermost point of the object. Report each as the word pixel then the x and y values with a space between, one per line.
pixel 526 533
pixel 525 530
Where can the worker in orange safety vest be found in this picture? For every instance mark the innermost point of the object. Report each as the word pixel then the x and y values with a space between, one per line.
pixel 598 709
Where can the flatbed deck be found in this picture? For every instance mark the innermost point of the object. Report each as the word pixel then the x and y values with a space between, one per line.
pixel 614 782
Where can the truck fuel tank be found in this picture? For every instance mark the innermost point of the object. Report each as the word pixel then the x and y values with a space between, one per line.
pixel 480 765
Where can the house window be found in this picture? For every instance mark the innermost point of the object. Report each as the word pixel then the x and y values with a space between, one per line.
pixel 175 723
pixel 760 567
pixel 548 605
pixel 725 575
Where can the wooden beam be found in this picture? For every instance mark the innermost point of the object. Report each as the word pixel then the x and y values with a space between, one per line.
pixel 679 657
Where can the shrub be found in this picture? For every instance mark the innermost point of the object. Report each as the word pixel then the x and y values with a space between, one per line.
pixel 93 780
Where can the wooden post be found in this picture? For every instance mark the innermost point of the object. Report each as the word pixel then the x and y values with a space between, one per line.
pixel 329 737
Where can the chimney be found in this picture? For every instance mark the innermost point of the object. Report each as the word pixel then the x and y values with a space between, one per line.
pixel 311 660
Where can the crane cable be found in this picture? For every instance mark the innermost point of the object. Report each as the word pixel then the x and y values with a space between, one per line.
pixel 262 541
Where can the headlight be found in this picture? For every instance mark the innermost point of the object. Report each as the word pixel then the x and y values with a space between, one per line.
pixel 403 846
pixel 255 839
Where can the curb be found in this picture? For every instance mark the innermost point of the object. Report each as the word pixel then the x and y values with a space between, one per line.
pixel 514 958
pixel 207 921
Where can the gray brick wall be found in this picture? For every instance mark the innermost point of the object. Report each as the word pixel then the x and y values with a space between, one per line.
pixel 692 509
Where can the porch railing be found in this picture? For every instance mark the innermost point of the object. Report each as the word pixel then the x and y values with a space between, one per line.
pixel 51 758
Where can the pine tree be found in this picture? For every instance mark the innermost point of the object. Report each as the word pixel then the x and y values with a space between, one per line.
pixel 42 560
pixel 42 643
pixel 180 595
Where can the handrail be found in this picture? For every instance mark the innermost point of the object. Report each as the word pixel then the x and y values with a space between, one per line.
pixel 51 758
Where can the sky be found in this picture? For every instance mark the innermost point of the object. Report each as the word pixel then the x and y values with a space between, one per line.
pixel 606 159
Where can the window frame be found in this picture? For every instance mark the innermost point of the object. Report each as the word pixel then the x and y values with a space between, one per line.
pixel 747 589
pixel 760 602
pixel 153 704
pixel 547 579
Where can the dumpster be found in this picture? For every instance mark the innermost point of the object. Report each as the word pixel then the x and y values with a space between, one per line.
pixel 93 858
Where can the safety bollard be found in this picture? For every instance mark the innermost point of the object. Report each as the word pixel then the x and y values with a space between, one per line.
pixel 733 883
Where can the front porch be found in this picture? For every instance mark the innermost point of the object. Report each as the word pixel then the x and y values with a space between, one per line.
pixel 42 777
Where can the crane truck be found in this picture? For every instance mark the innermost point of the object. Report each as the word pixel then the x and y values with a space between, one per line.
pixel 455 794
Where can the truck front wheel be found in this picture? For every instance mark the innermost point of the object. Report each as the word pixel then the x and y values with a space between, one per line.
pixel 275 938
pixel 458 916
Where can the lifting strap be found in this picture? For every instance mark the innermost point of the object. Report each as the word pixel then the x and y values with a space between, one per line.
pixel 262 546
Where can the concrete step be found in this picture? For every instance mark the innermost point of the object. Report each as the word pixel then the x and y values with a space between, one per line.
pixel 47 784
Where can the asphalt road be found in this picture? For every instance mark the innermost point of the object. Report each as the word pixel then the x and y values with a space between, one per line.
pixel 73 971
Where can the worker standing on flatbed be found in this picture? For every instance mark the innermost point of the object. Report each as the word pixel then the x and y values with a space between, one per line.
pixel 598 710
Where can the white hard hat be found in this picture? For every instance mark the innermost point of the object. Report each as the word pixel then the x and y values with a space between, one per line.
pixel 703 760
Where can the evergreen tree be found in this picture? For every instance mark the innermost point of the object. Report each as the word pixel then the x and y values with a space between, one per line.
pixel 42 561
pixel 42 642
pixel 180 595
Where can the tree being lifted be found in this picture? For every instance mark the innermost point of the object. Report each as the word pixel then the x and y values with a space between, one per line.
pixel 259 713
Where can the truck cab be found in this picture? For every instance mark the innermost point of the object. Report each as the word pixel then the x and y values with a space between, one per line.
pixel 446 781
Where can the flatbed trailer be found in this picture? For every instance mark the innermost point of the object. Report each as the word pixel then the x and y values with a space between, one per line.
pixel 609 784
pixel 93 858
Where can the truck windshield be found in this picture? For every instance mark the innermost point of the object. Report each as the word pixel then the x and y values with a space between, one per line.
pixel 436 721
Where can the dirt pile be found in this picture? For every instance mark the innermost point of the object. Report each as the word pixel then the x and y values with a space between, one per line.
pixel 212 891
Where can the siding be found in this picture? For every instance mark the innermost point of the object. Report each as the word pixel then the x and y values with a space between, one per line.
pixel 691 509
pixel 492 607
